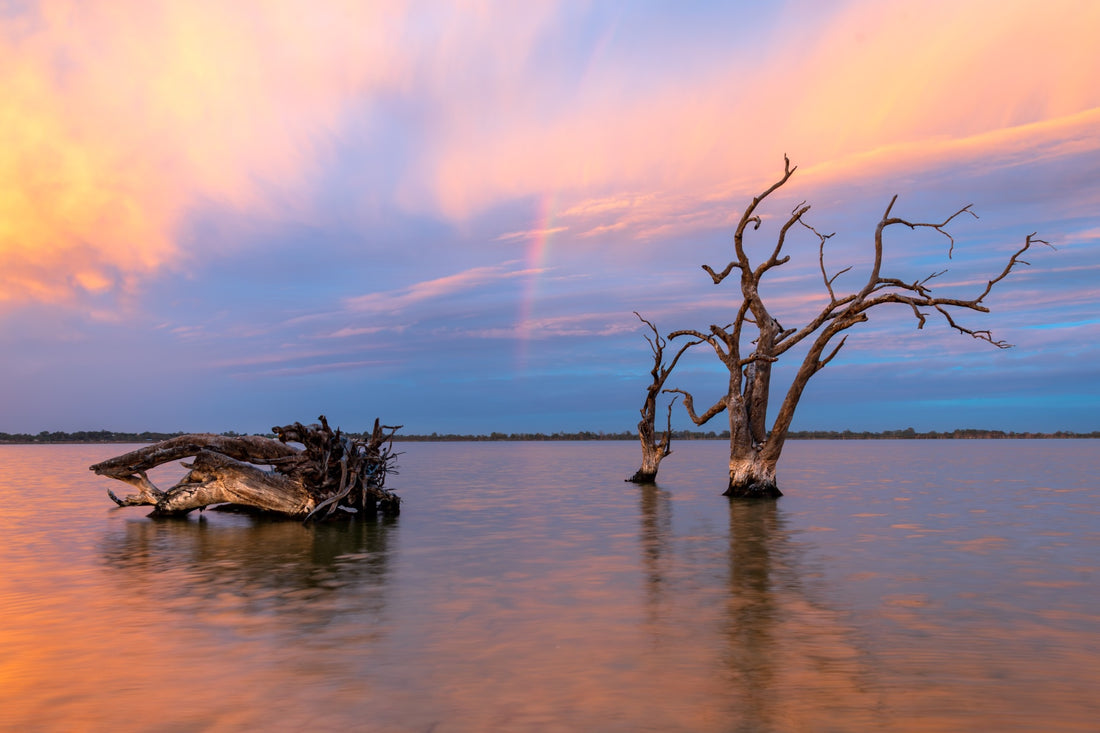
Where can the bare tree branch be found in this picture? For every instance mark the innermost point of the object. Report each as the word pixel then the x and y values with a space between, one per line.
pixel 1012 262
pixel 749 217
pixel 822 362
pixel 666 441
pixel 700 337
pixel 689 404
pixel 775 260
pixel 718 277
pixel 939 227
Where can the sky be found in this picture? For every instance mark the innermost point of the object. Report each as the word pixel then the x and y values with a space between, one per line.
pixel 227 216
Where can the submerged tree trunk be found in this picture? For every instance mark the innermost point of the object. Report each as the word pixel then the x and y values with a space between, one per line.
pixel 752 477
pixel 653 451
pixel 752 462
pixel 331 472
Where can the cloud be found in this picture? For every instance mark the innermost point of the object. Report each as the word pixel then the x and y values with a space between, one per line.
pixel 363 331
pixel 1090 235
pixel 530 234
pixel 118 126
pixel 308 369
pixel 876 87
pixel 398 300
pixel 118 122
pixel 648 216
pixel 577 325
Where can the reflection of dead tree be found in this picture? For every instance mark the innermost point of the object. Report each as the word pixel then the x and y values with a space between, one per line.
pixel 332 472
pixel 793 659
pixel 654 449
pixel 655 540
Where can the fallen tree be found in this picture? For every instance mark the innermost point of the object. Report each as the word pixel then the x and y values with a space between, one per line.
pixel 331 472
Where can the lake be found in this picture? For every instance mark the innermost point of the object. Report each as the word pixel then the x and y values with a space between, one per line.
pixel 899 585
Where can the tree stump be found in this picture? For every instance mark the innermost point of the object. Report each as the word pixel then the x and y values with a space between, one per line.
pixel 331 473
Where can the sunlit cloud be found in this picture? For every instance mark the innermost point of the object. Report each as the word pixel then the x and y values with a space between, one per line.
pixel 651 216
pixel 319 368
pixel 529 234
pixel 117 122
pixel 118 125
pixel 363 331
pixel 259 360
pixel 1091 236
pixel 575 325
pixel 397 300
pixel 880 87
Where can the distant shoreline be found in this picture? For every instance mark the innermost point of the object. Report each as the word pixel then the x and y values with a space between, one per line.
pixel 107 436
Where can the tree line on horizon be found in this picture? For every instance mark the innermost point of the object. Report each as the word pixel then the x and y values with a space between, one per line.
pixel 110 436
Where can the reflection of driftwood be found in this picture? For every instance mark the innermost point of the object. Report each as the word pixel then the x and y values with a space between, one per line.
pixel 276 567
pixel 332 472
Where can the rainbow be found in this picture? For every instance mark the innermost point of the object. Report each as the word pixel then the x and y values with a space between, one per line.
pixel 539 244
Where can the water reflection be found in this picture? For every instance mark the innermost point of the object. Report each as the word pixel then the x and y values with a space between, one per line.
pixel 257 566
pixel 756 534
pixel 745 608
pixel 957 594
pixel 793 660
pixel 656 518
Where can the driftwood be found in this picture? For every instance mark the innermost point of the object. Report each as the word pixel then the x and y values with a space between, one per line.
pixel 332 472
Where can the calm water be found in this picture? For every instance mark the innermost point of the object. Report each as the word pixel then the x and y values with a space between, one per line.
pixel 923 585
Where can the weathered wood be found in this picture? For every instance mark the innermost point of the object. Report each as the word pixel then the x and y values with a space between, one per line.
pixel 655 449
pixel 251 448
pixel 332 472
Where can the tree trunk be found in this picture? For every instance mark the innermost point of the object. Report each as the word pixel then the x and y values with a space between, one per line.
pixel 752 477
pixel 218 479
pixel 652 453
pixel 332 472
pixel 752 467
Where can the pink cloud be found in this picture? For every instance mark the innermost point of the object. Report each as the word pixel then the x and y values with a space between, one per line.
pixel 322 368
pixel 879 86
pixel 397 300
pixel 579 325
pixel 118 124
pixel 529 234
pixel 363 331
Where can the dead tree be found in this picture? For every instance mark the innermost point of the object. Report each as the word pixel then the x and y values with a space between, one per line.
pixel 654 449
pixel 331 472
pixel 755 340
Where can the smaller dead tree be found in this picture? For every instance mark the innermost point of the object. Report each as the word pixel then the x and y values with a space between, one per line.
pixel 332 472
pixel 654 449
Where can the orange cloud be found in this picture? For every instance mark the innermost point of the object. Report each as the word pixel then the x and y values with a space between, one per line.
pixel 118 119
pixel 63 197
